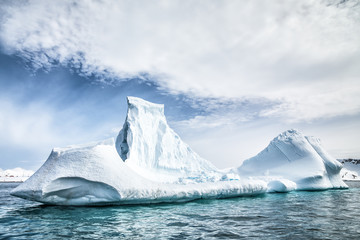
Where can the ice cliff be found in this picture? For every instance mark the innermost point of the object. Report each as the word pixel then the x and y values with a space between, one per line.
pixel 149 163
pixel 294 161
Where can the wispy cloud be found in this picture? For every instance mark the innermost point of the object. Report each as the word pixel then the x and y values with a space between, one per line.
pixel 303 55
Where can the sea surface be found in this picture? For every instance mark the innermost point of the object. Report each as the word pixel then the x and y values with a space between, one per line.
pixel 332 214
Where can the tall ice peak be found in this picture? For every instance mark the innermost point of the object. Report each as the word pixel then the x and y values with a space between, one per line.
pixel 146 141
pixel 139 103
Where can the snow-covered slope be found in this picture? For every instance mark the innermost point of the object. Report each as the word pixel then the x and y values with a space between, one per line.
pixel 15 175
pixel 295 158
pixel 149 163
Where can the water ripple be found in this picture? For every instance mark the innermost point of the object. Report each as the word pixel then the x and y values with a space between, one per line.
pixel 329 214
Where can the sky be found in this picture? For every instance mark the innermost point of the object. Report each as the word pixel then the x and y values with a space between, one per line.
pixel 232 74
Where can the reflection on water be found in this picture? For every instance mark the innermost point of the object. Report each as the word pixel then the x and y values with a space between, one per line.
pixel 297 215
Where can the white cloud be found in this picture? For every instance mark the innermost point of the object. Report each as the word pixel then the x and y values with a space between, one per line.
pixel 21 126
pixel 303 54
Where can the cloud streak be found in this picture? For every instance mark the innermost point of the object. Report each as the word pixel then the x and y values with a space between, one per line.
pixel 302 55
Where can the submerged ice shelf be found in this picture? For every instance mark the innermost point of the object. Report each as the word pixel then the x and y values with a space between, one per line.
pixel 149 163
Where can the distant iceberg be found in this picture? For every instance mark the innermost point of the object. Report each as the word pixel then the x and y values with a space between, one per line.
pixel 149 163
pixel 15 175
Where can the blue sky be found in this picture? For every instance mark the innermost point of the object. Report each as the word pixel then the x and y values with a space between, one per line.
pixel 232 74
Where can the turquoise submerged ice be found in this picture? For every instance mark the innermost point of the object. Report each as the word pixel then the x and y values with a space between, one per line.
pixel 149 163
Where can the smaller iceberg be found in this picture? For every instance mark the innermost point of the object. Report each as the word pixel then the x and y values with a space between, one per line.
pixel 294 161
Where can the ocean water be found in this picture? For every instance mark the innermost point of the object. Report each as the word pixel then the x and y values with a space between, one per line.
pixel 332 214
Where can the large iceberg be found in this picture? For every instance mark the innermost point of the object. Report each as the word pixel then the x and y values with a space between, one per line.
pixel 148 163
pixel 293 161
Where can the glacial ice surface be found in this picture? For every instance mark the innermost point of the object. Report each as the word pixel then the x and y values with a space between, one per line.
pixel 149 163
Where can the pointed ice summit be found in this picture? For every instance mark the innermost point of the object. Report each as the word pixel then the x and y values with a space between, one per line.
pixel 294 161
pixel 149 163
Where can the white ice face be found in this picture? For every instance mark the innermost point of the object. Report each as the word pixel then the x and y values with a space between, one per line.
pixel 149 163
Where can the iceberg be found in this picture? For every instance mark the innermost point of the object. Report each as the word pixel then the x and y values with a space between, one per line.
pixel 148 163
pixel 293 161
